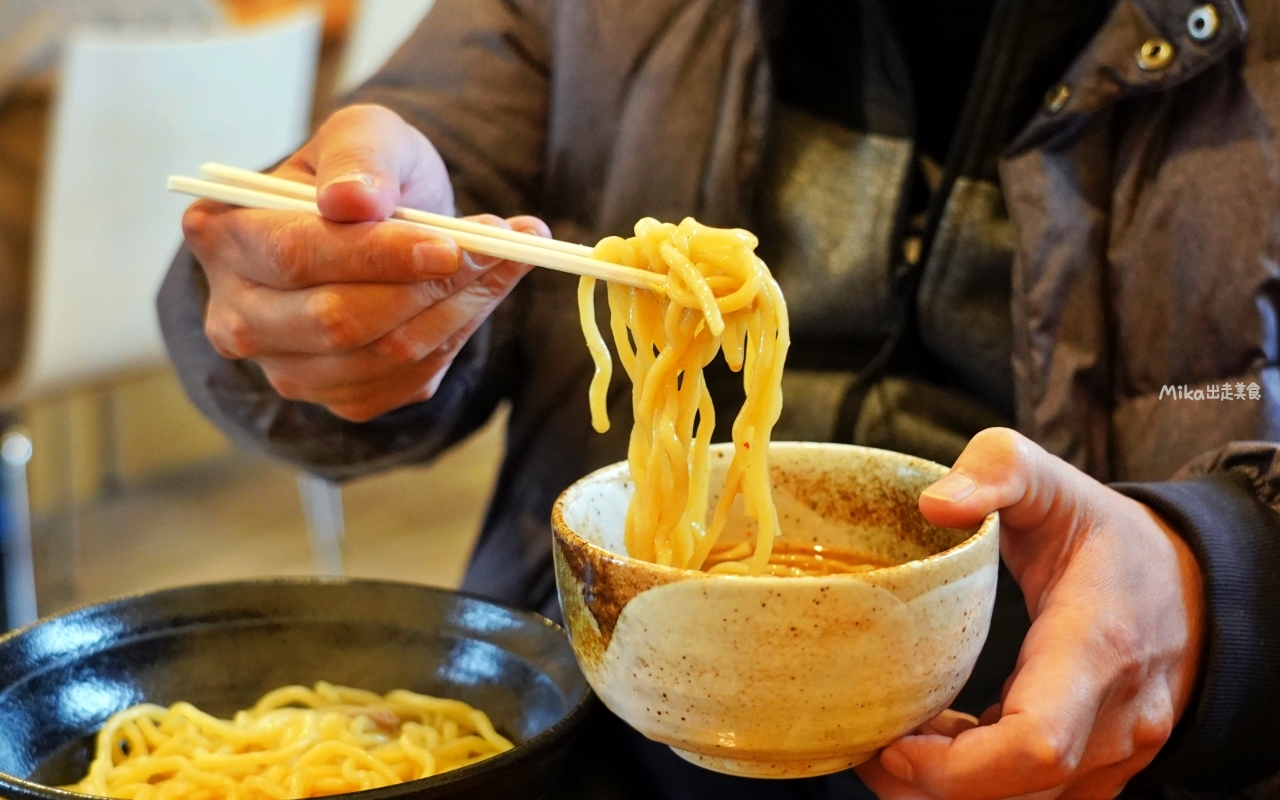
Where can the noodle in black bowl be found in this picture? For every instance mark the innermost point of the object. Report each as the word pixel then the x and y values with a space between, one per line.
pixel 222 646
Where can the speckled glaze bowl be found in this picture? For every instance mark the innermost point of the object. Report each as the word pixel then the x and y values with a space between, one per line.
pixel 782 677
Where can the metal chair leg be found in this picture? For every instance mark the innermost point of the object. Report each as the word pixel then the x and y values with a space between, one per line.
pixel 322 507
pixel 15 532
pixel 55 531
pixel 110 474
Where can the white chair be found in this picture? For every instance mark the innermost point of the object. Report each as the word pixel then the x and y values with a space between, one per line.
pixel 129 111
pixel 378 29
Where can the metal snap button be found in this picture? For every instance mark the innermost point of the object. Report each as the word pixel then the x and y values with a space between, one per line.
pixel 1202 22
pixel 1155 54
pixel 1056 98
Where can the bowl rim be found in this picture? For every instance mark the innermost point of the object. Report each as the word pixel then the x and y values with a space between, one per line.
pixel 562 531
pixel 573 717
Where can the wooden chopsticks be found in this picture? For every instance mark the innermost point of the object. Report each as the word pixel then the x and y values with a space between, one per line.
pixel 248 189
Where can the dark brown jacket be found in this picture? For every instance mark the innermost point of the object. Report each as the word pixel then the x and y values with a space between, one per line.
pixel 1084 254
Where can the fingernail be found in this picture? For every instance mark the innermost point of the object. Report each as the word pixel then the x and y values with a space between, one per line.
pixel 954 487
pixel 435 258
pixel 482 262
pixel 352 177
pixel 897 764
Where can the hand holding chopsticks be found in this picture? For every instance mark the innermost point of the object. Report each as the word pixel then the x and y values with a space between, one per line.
pixel 248 189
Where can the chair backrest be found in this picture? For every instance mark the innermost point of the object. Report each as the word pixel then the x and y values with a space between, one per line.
pixel 129 111
pixel 378 29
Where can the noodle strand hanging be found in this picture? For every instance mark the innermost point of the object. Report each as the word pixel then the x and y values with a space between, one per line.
pixel 719 295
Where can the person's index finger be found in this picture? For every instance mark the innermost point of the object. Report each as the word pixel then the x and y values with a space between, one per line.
pixel 991 762
pixel 291 250
pixel 1048 717
pixel 295 168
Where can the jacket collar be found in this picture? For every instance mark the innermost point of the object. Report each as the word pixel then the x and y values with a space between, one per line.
pixel 1111 68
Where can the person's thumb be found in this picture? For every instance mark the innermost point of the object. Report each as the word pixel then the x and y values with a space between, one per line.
pixel 1002 470
pixel 362 156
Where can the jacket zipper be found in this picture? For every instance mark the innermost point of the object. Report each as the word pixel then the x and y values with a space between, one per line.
pixel 989 81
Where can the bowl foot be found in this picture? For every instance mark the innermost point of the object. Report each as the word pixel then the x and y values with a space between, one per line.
pixel 801 768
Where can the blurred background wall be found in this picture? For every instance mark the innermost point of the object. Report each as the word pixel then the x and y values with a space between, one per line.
pixel 130 488
pixel 157 430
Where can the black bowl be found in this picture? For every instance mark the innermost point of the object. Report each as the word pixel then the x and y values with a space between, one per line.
pixel 222 646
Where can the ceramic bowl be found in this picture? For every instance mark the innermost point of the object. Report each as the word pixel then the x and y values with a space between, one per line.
pixel 222 646
pixel 782 677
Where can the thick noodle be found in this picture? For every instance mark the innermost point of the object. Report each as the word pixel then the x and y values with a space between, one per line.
pixel 295 743
pixel 719 295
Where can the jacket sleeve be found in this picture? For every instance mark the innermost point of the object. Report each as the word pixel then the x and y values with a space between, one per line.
pixel 473 78
pixel 1226 504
